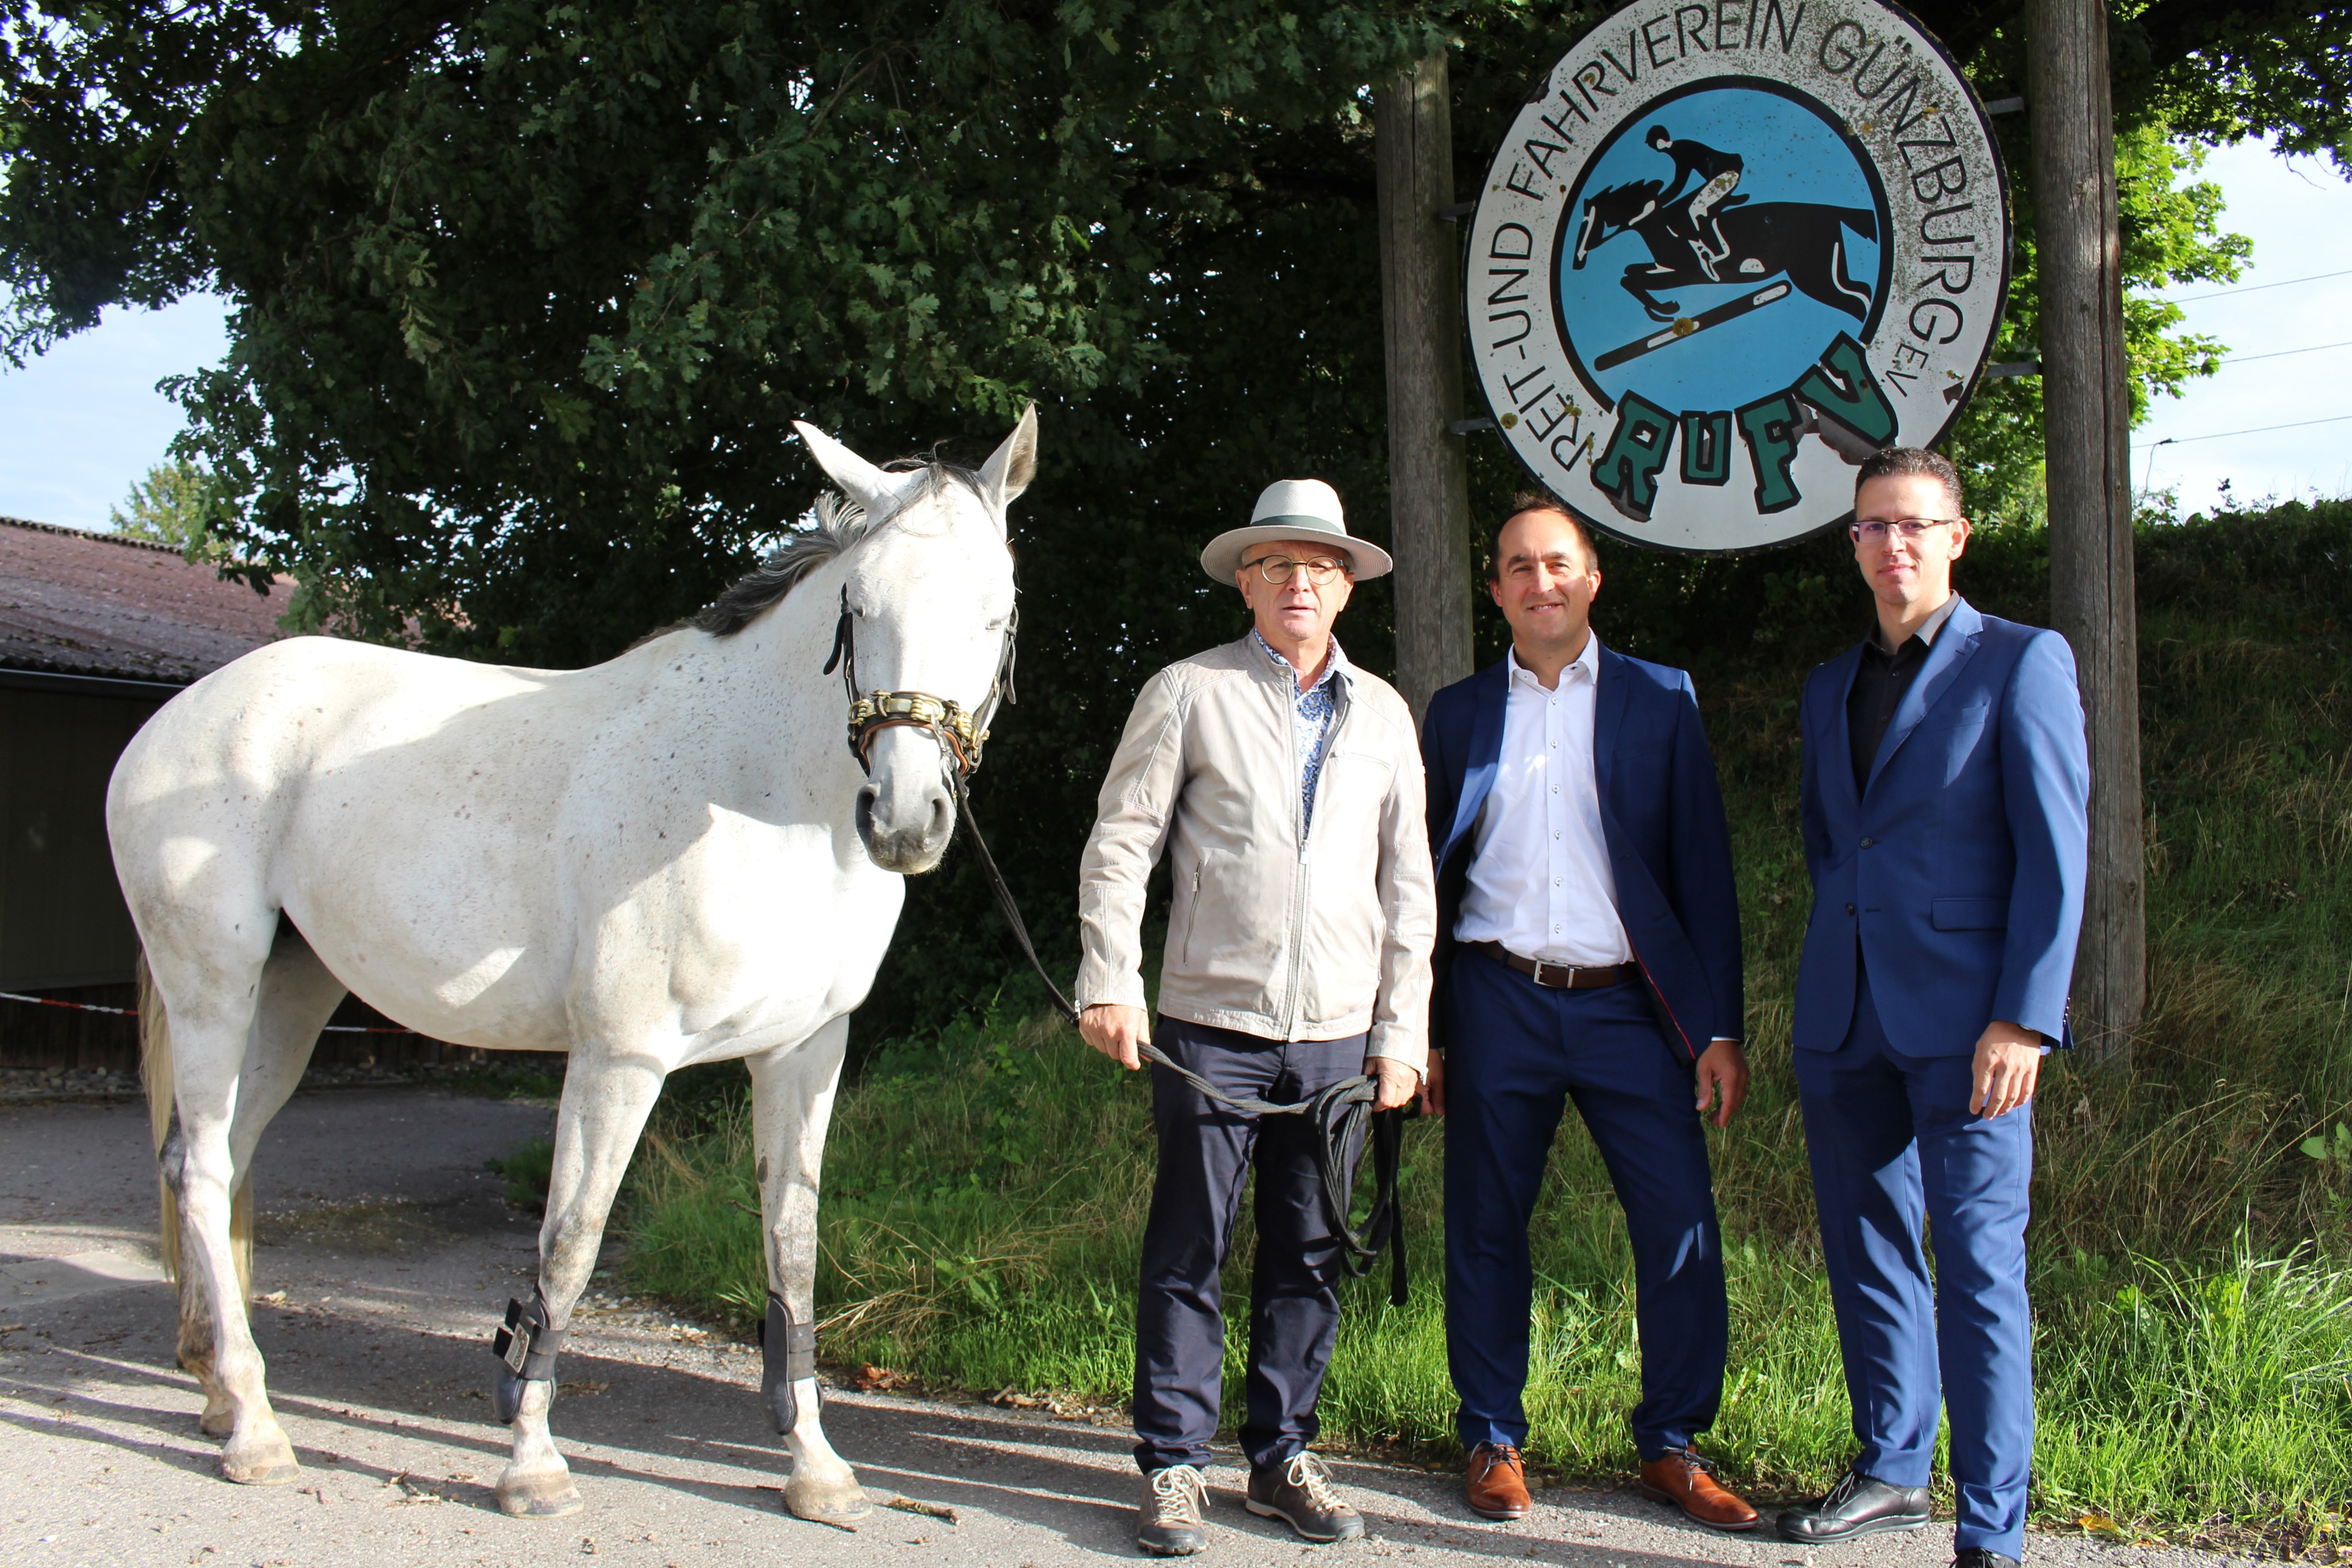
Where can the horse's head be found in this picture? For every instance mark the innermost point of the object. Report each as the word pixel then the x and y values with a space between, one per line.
pixel 928 599
pixel 1610 211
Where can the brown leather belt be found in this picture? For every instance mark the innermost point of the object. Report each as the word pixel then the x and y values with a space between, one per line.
pixel 1560 977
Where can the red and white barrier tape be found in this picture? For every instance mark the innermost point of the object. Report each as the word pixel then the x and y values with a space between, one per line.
pixel 133 1012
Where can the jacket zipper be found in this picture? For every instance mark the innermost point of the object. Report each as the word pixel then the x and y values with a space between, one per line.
pixel 1191 914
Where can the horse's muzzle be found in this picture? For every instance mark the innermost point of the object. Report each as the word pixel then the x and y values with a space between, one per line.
pixel 905 812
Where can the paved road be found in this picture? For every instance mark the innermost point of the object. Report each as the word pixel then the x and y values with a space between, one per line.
pixel 393 1250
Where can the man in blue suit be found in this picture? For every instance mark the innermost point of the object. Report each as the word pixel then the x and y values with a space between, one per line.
pixel 1946 773
pixel 1587 950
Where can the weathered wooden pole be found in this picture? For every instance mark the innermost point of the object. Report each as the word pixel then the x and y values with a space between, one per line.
pixel 1429 481
pixel 2087 431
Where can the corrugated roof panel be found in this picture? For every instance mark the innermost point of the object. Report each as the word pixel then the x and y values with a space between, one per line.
pixel 98 604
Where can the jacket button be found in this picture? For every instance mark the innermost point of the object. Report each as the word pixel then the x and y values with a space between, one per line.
pixel 1868 842
pixel 1848 909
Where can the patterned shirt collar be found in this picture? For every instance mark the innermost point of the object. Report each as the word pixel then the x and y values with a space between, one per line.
pixel 1334 665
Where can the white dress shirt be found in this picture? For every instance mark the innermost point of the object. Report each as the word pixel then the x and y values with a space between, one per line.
pixel 1539 881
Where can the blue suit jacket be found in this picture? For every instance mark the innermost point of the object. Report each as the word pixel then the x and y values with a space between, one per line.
pixel 1958 871
pixel 1660 817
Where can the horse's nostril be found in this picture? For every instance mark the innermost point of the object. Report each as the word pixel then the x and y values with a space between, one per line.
pixel 865 798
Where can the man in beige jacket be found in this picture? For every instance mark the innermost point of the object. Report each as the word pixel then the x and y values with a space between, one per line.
pixel 1285 786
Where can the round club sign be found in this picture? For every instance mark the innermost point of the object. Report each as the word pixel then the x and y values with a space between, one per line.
pixel 1727 251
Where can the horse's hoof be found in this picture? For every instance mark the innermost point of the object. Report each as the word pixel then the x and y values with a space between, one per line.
pixel 264 1464
pixel 837 1500
pixel 540 1497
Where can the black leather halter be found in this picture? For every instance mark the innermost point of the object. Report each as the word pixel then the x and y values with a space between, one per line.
pixel 960 735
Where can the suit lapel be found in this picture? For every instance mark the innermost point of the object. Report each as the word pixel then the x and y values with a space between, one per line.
pixel 1609 694
pixel 1955 645
pixel 1485 753
pixel 1837 741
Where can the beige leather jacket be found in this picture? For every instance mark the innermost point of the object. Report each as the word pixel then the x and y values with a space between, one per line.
pixel 1269 935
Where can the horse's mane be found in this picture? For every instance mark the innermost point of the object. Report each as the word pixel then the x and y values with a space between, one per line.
pixel 841 523
pixel 1632 193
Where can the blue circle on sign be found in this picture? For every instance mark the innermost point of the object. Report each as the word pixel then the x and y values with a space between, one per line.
pixel 1719 241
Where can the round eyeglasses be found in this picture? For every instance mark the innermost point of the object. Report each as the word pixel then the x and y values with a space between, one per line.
pixel 1278 568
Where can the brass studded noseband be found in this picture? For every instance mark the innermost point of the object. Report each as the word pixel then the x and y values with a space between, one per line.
pixel 961 735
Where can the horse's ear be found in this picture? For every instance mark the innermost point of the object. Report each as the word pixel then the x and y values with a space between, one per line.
pixel 1009 468
pixel 876 491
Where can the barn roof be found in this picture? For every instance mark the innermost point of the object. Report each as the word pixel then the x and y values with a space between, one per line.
pixel 81 603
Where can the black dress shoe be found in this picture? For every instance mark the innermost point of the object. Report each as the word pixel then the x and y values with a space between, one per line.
pixel 1859 1506
pixel 1979 1557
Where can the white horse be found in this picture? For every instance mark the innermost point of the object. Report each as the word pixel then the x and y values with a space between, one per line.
pixel 670 858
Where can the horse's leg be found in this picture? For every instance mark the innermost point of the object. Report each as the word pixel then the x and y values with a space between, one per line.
pixel 297 995
pixel 1644 276
pixel 217 997
pixel 792 1104
pixel 606 1098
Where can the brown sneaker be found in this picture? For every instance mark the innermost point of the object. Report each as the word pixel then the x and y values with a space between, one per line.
pixel 1495 1485
pixel 1688 1482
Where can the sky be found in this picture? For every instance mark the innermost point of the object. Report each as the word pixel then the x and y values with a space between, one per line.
pixel 84 421
pixel 80 426
pixel 2299 215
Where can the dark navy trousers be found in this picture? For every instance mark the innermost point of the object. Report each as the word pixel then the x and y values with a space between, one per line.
pixel 1207 1153
pixel 1518 1053
pixel 1894 1144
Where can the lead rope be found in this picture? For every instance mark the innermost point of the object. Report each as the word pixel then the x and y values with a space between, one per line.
pixel 1338 1111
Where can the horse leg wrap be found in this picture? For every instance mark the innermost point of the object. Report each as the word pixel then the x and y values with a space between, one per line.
pixel 526 1348
pixel 787 1355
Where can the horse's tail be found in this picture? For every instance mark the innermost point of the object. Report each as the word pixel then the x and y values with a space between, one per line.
pixel 155 1072
pixel 1861 220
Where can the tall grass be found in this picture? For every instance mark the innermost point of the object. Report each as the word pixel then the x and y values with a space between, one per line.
pixel 985 1186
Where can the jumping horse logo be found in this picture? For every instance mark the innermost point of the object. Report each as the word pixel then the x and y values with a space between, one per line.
pixel 1717 238
pixel 1725 254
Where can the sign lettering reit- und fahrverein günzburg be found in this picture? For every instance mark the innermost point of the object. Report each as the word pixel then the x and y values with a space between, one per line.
pixel 1727 251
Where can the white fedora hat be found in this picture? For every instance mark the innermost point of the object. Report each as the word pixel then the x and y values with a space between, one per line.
pixel 1294 510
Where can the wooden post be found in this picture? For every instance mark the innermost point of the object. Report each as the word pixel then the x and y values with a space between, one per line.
pixel 1429 480
pixel 2086 428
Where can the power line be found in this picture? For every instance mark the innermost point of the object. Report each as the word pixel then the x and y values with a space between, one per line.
pixel 2253 287
pixel 2219 435
pixel 2283 353
pixel 2033 367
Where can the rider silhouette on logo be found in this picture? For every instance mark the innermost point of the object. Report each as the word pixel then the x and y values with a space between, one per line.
pixel 1717 174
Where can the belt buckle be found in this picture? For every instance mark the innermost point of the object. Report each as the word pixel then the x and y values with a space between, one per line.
pixel 1567 973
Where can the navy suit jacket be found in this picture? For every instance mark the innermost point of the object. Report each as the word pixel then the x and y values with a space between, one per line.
pixel 1661 818
pixel 1957 873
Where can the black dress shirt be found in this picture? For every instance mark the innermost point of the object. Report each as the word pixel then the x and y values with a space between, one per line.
pixel 1879 686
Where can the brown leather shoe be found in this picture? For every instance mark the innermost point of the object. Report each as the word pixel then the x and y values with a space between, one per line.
pixel 1495 1486
pixel 1685 1480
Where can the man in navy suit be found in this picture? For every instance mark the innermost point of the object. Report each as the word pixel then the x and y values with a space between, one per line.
pixel 1945 779
pixel 1587 950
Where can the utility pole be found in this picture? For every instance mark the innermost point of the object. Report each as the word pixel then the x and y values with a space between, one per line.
pixel 1429 479
pixel 2086 432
